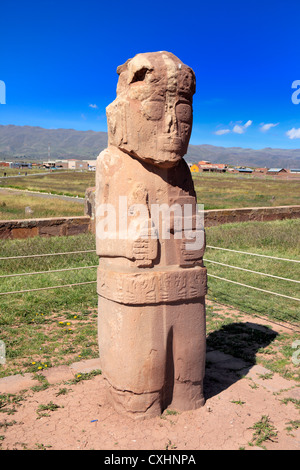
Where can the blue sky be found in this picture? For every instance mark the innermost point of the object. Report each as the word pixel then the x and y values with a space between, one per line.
pixel 58 60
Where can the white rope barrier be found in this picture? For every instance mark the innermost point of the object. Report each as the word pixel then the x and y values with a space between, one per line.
pixel 47 288
pixel 47 254
pixel 253 254
pixel 46 272
pixel 94 251
pixel 250 271
pixel 255 288
pixel 91 282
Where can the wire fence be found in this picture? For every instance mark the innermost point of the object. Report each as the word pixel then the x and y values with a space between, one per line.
pixel 47 288
pixel 265 291
pixel 251 271
pixel 275 311
pixel 47 254
pixel 255 288
pixel 47 272
pixel 254 254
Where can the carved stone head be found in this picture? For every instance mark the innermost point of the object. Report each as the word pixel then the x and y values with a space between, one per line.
pixel 152 116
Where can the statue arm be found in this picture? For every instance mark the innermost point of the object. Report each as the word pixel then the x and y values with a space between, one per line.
pixel 139 244
pixel 142 250
pixel 113 247
pixel 136 240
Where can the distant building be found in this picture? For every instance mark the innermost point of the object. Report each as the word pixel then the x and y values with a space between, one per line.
pixel 70 164
pixel 20 165
pixel 91 164
pixel 276 171
pixel 49 164
pixel 261 170
pixel 74 164
pixel 216 167
pixel 61 164
pixel 243 170
pixel 81 165
pixel 295 170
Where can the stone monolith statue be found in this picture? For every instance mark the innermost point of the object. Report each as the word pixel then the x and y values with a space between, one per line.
pixel 151 278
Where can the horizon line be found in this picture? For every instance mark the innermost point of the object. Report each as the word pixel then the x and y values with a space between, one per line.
pixel 105 132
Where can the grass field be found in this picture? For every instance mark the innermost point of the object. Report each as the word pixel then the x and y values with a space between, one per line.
pixel 51 326
pixel 13 204
pixel 222 191
pixel 280 239
pixel 22 171
pixel 215 191
pixel 59 326
pixel 69 183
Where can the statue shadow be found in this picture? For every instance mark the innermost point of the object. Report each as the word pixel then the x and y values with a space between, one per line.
pixel 231 353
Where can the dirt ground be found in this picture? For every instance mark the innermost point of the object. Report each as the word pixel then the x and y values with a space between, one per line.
pixel 77 416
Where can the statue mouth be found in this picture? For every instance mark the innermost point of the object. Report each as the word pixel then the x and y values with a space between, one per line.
pixel 170 143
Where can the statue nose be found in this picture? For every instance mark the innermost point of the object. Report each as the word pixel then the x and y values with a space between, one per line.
pixel 171 121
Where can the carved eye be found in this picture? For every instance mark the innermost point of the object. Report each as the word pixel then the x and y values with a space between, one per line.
pixel 184 112
pixel 139 75
pixel 153 110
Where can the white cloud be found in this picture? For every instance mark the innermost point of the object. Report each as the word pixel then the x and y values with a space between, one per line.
pixel 241 129
pixel 93 106
pixel 267 127
pixel 222 131
pixel 238 129
pixel 83 116
pixel 293 133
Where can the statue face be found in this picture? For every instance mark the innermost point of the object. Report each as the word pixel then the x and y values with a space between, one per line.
pixel 152 115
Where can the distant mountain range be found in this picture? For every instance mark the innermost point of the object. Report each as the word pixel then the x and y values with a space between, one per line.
pixel 32 143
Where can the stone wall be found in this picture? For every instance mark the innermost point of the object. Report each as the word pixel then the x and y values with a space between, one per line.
pixel 60 226
pixel 248 214
pixel 222 216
